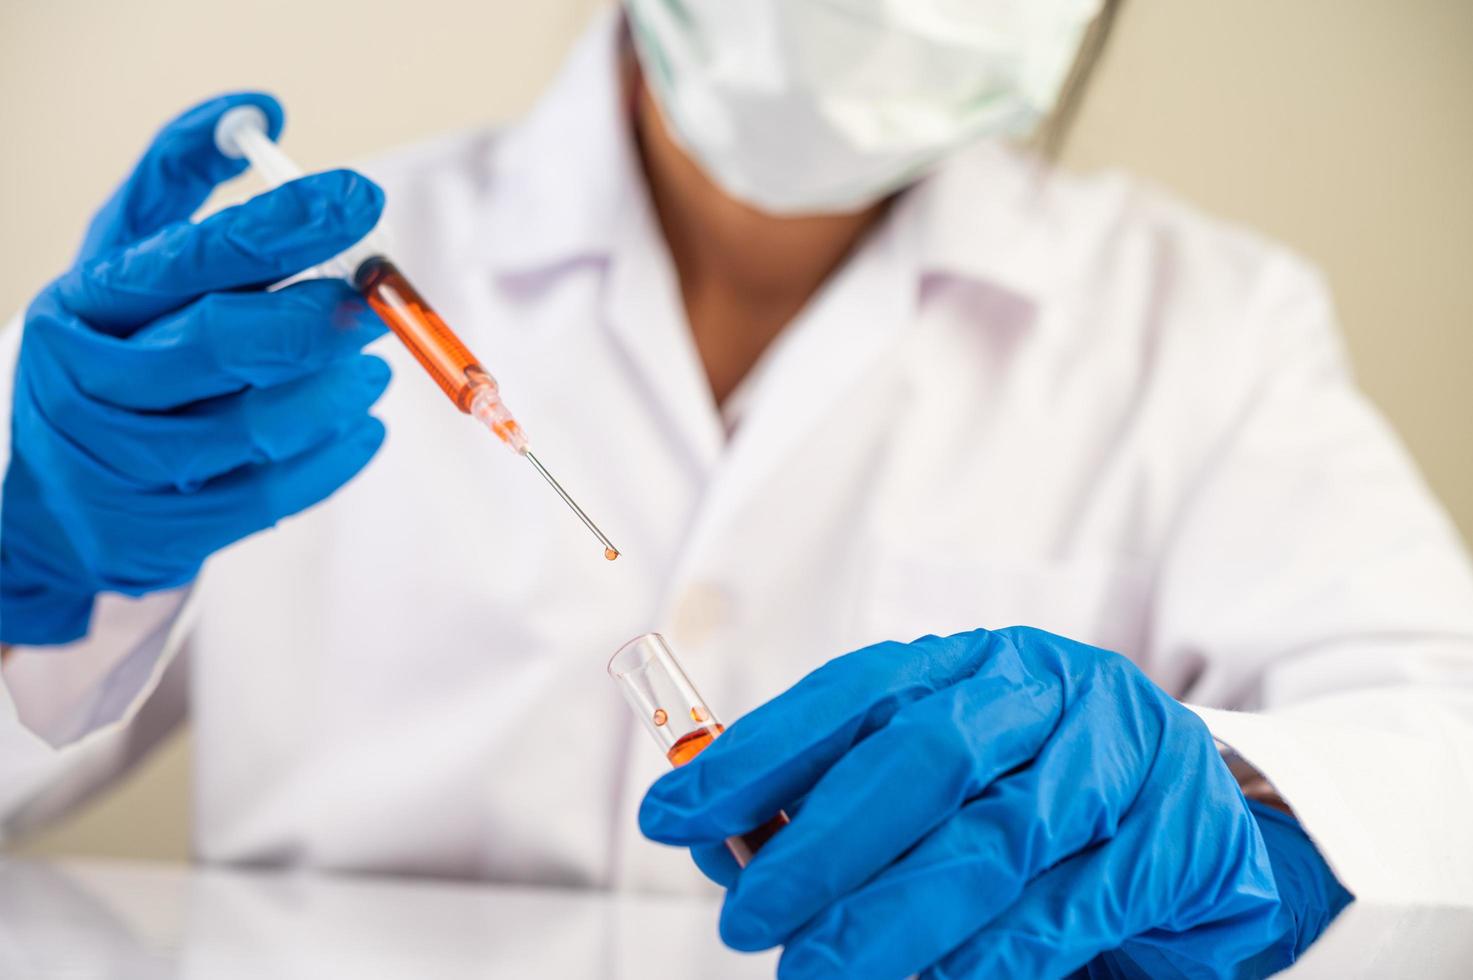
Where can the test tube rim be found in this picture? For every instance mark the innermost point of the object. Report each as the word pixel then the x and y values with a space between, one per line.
pixel 635 684
pixel 658 641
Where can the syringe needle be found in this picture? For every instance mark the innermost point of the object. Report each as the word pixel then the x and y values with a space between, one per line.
pixel 610 552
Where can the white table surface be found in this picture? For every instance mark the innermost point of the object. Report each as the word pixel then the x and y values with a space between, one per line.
pixel 77 919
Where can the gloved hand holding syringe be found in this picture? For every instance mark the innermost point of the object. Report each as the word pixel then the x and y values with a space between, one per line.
pixel 242 132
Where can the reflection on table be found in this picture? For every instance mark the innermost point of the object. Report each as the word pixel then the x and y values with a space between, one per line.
pixel 137 921
pixel 140 921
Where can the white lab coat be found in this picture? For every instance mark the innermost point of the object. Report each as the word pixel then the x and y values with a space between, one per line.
pixel 1028 398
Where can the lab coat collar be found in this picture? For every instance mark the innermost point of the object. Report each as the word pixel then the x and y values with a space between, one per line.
pixel 982 217
pixel 561 173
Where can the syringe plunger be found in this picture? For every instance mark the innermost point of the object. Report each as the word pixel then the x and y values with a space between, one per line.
pixel 241 132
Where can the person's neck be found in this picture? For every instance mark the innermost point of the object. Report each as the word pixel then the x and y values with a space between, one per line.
pixel 744 274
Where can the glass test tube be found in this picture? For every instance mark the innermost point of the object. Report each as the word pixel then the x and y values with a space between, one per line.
pixel 673 711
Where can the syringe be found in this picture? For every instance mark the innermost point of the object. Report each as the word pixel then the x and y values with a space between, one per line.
pixel 241 132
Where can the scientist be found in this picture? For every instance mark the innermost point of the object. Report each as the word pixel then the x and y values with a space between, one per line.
pixel 835 368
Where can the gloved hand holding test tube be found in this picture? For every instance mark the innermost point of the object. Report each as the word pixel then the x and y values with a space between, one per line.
pixel 242 132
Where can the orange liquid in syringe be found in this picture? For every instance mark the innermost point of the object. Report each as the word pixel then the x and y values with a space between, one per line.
pixel 428 338
pixel 743 846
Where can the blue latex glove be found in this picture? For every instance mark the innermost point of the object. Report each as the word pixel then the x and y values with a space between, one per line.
pixel 165 404
pixel 992 804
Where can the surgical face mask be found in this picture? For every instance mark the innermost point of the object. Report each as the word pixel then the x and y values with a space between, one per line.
pixel 813 106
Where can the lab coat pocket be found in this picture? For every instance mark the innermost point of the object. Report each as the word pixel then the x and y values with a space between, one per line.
pixel 1103 601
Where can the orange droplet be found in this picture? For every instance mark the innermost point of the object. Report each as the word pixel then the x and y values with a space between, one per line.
pixel 660 717
pixel 610 554
pixel 699 714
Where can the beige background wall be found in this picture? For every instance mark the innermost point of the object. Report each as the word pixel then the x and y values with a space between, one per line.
pixel 1344 127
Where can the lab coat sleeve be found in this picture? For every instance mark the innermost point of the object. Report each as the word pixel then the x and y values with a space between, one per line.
pixel 68 715
pixel 1328 603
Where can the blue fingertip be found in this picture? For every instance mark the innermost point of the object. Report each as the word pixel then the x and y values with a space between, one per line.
pixel 670 811
pixel 375 372
pixel 358 191
pixel 743 931
pixel 656 821
pixel 348 199
pixel 374 432
pixel 670 788
pixel 715 862
pixel 810 961
pixel 305 221
pixel 369 436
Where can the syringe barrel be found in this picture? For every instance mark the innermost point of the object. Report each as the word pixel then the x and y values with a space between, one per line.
pixel 242 133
